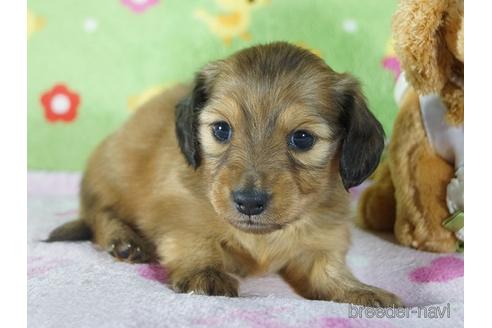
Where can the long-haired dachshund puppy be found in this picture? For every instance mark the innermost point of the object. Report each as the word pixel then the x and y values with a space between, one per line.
pixel 246 172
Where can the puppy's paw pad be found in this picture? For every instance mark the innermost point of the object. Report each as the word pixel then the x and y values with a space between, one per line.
pixel 208 282
pixel 374 298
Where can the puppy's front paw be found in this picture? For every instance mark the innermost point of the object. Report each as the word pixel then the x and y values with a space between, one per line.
pixel 130 248
pixel 208 282
pixel 372 297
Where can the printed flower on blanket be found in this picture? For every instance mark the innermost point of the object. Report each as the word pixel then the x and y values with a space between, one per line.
pixel 139 6
pixel 390 61
pixel 35 23
pixel 442 269
pixel 60 104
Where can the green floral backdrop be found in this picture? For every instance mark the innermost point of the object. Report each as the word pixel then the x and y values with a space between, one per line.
pixel 92 62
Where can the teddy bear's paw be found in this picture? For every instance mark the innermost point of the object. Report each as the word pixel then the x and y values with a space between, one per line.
pixel 376 206
pixel 444 245
pixel 426 238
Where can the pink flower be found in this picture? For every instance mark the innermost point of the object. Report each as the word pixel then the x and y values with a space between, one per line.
pixel 392 64
pixel 139 6
pixel 441 269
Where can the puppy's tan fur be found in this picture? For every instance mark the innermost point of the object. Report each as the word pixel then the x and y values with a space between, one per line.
pixel 142 198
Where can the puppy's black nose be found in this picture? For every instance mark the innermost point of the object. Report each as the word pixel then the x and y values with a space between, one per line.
pixel 250 201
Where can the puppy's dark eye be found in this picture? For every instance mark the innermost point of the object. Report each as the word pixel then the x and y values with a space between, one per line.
pixel 301 140
pixel 222 131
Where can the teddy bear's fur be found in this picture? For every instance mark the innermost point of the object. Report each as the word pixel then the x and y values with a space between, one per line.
pixel 409 190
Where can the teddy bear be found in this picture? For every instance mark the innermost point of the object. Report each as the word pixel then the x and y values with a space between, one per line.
pixel 417 190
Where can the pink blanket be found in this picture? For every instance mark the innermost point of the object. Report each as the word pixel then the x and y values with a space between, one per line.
pixel 74 285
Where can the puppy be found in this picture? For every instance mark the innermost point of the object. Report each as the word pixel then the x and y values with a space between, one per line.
pixel 243 173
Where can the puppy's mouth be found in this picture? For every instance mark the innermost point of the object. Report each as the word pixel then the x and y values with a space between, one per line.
pixel 251 225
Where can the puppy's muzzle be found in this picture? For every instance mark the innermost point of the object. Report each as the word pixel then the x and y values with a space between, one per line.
pixel 250 201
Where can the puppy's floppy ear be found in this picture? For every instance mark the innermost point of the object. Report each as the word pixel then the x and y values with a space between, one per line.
pixel 363 140
pixel 187 111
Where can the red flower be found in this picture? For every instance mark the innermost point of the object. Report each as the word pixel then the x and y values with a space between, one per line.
pixel 60 104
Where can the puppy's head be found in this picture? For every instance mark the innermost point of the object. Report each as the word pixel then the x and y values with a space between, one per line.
pixel 275 131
